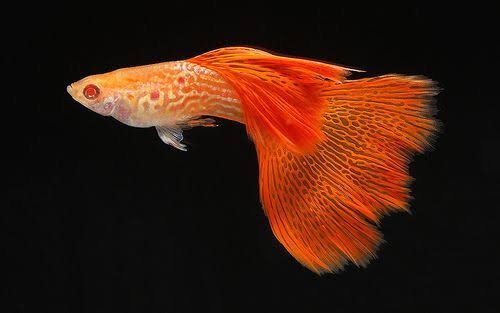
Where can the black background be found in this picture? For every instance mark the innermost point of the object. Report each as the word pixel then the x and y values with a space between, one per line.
pixel 101 217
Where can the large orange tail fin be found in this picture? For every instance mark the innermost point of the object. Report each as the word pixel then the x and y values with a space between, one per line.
pixel 324 206
pixel 324 202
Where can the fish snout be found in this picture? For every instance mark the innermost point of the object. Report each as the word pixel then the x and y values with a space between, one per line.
pixel 69 89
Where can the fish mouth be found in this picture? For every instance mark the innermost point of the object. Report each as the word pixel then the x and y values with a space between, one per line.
pixel 69 88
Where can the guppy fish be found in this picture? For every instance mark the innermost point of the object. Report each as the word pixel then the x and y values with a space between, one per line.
pixel 333 153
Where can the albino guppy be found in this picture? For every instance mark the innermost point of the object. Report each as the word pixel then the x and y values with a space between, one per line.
pixel 333 153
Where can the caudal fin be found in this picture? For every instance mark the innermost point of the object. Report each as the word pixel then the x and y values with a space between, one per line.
pixel 325 197
pixel 323 207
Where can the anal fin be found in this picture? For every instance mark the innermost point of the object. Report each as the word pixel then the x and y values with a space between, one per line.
pixel 172 134
pixel 195 122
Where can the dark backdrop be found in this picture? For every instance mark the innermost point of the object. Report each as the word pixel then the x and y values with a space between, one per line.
pixel 101 217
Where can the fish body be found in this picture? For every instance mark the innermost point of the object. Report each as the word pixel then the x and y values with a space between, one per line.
pixel 169 95
pixel 333 153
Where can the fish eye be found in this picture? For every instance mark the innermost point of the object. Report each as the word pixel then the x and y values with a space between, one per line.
pixel 91 92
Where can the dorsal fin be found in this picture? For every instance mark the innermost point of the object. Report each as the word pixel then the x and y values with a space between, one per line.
pixel 279 95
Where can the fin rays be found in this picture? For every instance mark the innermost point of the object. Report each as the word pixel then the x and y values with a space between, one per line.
pixel 279 95
pixel 323 206
pixel 172 134
pixel 333 153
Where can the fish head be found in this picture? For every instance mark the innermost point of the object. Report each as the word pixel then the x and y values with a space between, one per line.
pixel 96 93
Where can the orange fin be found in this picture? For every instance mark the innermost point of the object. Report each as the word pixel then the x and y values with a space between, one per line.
pixel 279 95
pixel 324 206
pixel 197 122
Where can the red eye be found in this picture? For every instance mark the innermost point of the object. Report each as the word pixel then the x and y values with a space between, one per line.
pixel 91 92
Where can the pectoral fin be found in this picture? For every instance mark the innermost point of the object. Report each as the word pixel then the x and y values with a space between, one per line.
pixel 171 135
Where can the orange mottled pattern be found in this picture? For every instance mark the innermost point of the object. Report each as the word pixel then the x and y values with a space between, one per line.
pixel 182 90
pixel 168 93
pixel 324 193
pixel 280 95
pixel 333 153
pixel 324 206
